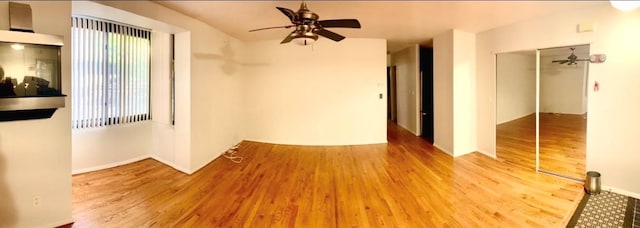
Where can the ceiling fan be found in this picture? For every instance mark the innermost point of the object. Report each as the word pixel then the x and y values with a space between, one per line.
pixel 308 27
pixel 571 60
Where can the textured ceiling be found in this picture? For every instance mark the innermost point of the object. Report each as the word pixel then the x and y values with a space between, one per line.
pixel 402 23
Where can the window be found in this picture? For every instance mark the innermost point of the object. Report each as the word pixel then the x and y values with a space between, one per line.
pixel 110 73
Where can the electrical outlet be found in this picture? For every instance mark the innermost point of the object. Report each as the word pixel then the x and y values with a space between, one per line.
pixel 36 200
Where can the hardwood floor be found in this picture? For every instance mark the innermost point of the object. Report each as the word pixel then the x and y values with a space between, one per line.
pixel 406 183
pixel 516 142
pixel 562 143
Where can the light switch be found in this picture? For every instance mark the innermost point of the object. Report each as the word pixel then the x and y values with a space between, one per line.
pixel 585 27
pixel 380 96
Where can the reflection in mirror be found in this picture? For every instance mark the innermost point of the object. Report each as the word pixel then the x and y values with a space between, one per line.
pixel 516 108
pixel 563 110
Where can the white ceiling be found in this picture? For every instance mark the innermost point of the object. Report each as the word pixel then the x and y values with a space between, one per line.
pixel 402 23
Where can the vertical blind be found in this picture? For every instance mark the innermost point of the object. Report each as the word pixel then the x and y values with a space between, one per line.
pixel 110 76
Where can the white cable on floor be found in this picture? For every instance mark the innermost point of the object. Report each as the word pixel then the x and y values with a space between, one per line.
pixel 231 154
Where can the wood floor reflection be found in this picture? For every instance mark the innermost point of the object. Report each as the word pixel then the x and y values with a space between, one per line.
pixel 562 143
pixel 405 183
pixel 516 142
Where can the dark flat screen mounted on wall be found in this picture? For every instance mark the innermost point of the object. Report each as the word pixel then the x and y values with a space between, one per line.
pixel 30 75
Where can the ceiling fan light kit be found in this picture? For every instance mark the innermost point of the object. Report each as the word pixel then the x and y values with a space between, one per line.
pixel 305 41
pixel 308 28
pixel 303 35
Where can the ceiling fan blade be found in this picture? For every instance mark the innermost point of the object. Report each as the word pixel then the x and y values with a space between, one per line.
pixel 274 27
pixel 560 61
pixel 329 34
pixel 287 39
pixel 340 23
pixel 287 12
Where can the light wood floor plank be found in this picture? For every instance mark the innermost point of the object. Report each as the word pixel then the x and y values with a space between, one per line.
pixel 406 183
pixel 562 143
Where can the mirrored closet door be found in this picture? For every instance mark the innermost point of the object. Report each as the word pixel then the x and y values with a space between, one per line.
pixel 541 109
pixel 516 108
pixel 563 110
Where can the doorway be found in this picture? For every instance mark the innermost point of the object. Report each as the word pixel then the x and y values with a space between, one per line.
pixel 426 94
pixel 392 107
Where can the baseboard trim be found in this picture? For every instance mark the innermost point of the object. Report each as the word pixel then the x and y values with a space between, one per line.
pixel 206 163
pixel 58 223
pixel 110 165
pixel 171 164
pixel 216 157
pixel 407 128
pixel 621 191
pixel 487 154
pixel 463 154
pixel 443 150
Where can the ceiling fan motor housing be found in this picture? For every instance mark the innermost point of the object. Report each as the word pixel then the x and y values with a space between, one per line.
pixel 305 31
pixel 306 16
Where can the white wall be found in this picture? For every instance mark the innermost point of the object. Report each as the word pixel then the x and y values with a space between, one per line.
pixel 35 155
pixel 182 128
pixel 562 87
pixel 162 130
pixel 325 94
pixel 612 147
pixel 516 86
pixel 208 94
pixel 216 96
pixel 407 62
pixel 443 92
pixel 454 88
pixel 464 110
pixel 99 148
pixel 388 59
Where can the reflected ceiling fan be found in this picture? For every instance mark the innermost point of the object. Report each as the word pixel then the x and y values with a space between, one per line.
pixel 571 60
pixel 308 27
